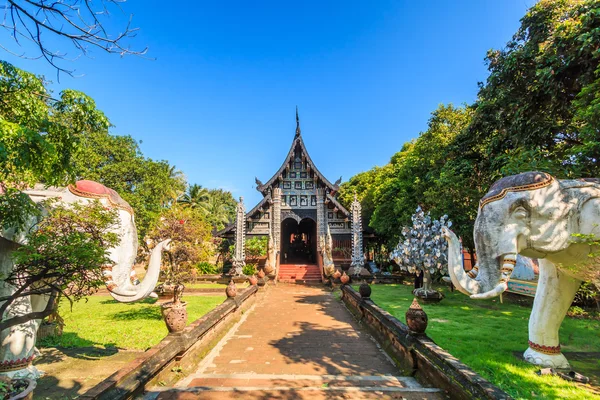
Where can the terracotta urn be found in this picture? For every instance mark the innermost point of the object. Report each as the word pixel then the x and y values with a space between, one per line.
pixel 175 315
pixel 253 280
pixel 416 319
pixel 337 274
pixel 345 278
pixel 231 290
pixel 365 291
pixel 261 274
pixel 268 269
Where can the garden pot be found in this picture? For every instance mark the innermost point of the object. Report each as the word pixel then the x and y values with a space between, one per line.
pixel 261 274
pixel 365 291
pixel 175 315
pixel 26 389
pixel 337 274
pixel 262 281
pixel 416 319
pixel 345 279
pixel 231 290
pixel 253 280
pixel 428 296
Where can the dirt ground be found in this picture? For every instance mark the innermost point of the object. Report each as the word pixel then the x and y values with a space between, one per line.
pixel 71 372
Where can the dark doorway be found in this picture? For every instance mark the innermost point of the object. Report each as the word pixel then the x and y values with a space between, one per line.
pixel 298 241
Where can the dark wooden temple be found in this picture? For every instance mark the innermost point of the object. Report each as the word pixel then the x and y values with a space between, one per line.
pixel 298 205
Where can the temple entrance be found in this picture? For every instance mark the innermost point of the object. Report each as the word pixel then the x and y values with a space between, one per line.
pixel 298 241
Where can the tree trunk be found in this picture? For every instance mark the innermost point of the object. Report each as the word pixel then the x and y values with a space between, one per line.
pixel 426 280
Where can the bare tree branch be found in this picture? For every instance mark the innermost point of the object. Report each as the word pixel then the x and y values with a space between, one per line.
pixel 80 22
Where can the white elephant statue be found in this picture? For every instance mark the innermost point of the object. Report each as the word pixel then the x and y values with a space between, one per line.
pixel 18 343
pixel 538 216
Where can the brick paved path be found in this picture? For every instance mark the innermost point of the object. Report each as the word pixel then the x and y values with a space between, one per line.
pixel 298 342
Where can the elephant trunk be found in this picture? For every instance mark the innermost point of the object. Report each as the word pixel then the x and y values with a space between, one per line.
pixel 128 293
pixel 462 280
pixel 508 265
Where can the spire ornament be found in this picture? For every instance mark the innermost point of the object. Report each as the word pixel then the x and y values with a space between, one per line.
pixel 298 132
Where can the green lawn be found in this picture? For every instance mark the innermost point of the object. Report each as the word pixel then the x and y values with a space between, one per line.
pixel 102 321
pixel 213 285
pixel 484 334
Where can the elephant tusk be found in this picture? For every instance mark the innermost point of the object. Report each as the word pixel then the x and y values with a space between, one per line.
pixel 508 265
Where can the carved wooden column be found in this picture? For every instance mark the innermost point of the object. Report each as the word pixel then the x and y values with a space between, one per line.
pixel 358 257
pixel 321 220
pixel 276 218
pixel 239 259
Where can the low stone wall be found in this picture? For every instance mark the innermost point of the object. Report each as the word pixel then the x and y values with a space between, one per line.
pixel 418 354
pixel 193 343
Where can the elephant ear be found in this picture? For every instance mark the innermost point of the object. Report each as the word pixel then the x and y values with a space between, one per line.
pixel 516 183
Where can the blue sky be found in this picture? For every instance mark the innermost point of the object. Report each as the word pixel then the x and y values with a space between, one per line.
pixel 219 99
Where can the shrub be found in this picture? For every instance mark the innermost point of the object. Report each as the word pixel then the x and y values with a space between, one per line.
pixel 206 268
pixel 588 295
pixel 249 269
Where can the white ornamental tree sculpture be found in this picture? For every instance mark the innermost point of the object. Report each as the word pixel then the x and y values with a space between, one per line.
pixel 423 249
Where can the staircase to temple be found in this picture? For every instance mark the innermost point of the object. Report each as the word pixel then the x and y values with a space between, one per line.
pixel 299 273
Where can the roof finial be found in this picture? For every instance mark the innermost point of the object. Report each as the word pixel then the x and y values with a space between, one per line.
pixel 297 123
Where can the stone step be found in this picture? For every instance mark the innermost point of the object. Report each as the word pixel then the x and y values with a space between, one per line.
pixel 313 387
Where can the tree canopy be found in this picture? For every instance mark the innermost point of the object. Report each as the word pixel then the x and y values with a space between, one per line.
pixel 539 109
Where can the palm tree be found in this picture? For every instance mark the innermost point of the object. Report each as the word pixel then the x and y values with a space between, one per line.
pixel 195 196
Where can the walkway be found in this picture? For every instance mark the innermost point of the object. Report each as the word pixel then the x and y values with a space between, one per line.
pixel 298 342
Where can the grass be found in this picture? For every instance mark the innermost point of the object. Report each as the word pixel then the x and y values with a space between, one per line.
pixel 102 321
pixel 484 334
pixel 212 285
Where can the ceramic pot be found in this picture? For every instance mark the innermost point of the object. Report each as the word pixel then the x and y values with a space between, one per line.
pixel 253 280
pixel 337 274
pixel 27 393
pixel 416 319
pixel 261 274
pixel 231 290
pixel 175 315
pixel 268 269
pixel 345 278
pixel 365 291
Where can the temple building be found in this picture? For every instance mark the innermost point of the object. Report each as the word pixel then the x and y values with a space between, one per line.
pixel 298 205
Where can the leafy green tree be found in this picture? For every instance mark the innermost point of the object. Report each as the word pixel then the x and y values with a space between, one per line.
pixel 217 205
pixel 117 162
pixel 540 106
pixel 38 137
pixel 63 255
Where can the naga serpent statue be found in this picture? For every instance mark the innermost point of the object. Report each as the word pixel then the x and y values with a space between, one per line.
pixel 538 216
pixel 18 343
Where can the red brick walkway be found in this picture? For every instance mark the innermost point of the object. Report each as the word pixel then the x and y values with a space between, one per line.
pixel 298 342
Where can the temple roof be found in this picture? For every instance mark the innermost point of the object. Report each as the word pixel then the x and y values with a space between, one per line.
pixel 230 227
pixel 298 142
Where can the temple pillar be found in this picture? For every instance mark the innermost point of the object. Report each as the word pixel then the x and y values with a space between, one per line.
pixel 276 223
pixel 321 220
pixel 239 258
pixel 358 257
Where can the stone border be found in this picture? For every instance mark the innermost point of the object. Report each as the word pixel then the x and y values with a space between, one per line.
pixel 418 354
pixel 130 379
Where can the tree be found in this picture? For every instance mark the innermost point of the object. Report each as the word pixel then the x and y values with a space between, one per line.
pixel 38 137
pixel 424 249
pixel 217 205
pixel 117 162
pixel 82 24
pixel 191 243
pixel 540 106
pixel 62 256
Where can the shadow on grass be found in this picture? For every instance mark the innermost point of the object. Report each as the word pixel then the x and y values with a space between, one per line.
pixel 71 345
pixel 147 313
pixel 147 300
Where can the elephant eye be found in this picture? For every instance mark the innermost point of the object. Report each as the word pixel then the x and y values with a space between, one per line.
pixel 520 212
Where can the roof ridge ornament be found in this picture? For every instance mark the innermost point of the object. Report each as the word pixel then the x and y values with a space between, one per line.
pixel 298 132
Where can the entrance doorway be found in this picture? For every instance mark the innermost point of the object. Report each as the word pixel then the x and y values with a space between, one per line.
pixel 298 241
